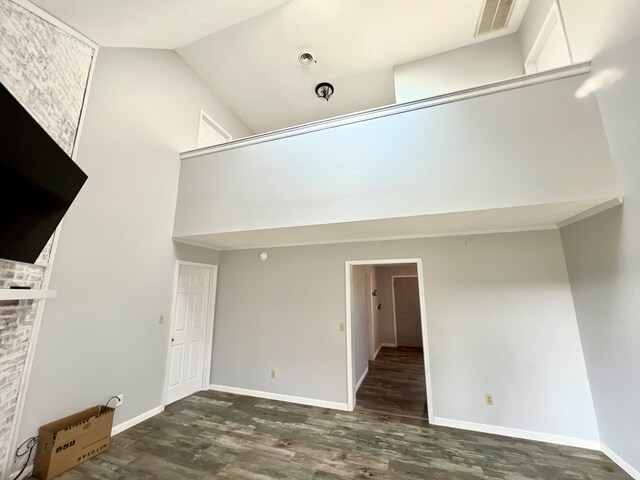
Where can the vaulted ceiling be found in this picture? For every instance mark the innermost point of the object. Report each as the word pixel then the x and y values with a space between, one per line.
pixel 247 49
pixel 152 23
pixel 253 65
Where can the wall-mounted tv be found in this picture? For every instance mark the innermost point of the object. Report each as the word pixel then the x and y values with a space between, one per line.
pixel 38 182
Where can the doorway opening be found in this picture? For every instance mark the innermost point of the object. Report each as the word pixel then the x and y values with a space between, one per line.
pixel 190 339
pixel 387 348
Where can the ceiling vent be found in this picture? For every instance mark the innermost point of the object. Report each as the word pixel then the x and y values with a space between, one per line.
pixel 494 15
pixel 306 58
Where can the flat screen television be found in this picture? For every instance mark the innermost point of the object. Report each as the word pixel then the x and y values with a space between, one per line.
pixel 38 182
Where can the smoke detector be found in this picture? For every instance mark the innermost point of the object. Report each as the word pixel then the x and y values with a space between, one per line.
pixel 306 59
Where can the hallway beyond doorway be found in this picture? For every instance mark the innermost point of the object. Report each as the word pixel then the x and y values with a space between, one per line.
pixel 395 383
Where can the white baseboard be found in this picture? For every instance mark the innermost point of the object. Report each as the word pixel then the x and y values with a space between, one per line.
pixel 393 345
pixel 635 474
pixel 281 397
pixel 121 427
pixel 362 378
pixel 517 433
pixel 26 474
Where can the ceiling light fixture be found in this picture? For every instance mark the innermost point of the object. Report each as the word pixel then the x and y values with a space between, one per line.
pixel 324 90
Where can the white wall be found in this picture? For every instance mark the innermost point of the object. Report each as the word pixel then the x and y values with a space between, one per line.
pixel 527 146
pixel 603 252
pixel 500 320
pixel 361 336
pixel 385 297
pixel 115 261
pixel 531 23
pixel 471 66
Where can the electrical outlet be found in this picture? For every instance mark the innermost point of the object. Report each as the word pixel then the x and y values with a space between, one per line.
pixel 273 374
pixel 342 327
pixel 119 399
pixel 488 398
pixel 161 319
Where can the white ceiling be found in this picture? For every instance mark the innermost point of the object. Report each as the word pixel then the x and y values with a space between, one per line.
pixel 529 217
pixel 253 65
pixel 152 23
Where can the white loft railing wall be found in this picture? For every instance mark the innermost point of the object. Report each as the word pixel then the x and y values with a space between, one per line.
pixel 511 144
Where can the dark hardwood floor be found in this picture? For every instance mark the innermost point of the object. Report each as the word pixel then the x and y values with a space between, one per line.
pixel 395 383
pixel 213 435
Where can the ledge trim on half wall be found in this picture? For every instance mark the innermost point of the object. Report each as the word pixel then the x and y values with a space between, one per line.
pixel 279 396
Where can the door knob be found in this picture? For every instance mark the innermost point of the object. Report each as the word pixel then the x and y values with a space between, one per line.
pixel 172 340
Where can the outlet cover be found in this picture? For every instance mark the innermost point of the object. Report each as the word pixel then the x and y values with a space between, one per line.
pixel 119 399
pixel 161 319
pixel 488 398
pixel 273 374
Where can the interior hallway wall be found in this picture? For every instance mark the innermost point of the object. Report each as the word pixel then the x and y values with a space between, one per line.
pixel 385 317
pixel 115 261
pixel 603 252
pixel 500 320
pixel 362 328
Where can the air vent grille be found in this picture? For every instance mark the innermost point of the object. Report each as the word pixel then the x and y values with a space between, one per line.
pixel 494 16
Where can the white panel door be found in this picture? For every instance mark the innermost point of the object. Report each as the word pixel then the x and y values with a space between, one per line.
pixel 188 332
pixel 407 311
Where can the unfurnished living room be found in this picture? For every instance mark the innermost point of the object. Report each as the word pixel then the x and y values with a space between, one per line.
pixel 320 239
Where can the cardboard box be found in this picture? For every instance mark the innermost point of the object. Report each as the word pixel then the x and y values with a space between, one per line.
pixel 67 442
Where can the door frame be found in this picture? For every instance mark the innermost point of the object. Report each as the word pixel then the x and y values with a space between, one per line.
pixel 553 17
pixel 210 317
pixel 372 309
pixel 349 264
pixel 393 303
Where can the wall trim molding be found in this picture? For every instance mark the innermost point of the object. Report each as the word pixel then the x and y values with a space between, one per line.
pixel 614 202
pixel 280 397
pixel 26 474
pixel 364 240
pixel 195 244
pixel 617 459
pixel 395 109
pixel 126 425
pixel 392 345
pixel 364 375
pixel 518 433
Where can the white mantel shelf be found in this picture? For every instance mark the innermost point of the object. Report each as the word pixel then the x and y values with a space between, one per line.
pixel 19 294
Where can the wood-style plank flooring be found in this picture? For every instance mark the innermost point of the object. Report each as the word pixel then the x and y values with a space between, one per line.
pixel 213 435
pixel 395 383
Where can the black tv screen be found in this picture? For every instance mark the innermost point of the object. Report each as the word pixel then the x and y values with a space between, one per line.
pixel 38 182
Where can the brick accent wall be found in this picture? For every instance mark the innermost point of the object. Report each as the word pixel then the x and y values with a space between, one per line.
pixel 47 70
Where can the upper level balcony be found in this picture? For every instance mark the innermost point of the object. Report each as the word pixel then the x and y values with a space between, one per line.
pixel 521 154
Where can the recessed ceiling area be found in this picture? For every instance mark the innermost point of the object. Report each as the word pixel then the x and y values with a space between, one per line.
pixel 529 217
pixel 152 23
pixel 254 65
